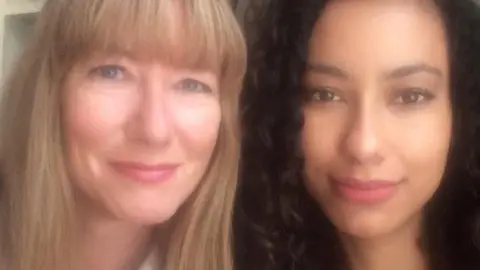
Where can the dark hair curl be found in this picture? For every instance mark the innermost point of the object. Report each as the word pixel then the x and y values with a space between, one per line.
pixel 277 224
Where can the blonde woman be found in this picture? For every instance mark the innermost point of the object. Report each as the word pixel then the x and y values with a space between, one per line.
pixel 118 137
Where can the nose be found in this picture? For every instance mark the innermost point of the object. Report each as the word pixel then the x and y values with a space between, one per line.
pixel 153 124
pixel 362 139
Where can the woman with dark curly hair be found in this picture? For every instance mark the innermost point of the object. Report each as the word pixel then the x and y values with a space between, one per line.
pixel 362 137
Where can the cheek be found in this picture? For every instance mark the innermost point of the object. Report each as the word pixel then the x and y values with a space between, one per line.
pixel 409 144
pixel 93 121
pixel 423 148
pixel 96 118
pixel 319 144
pixel 197 127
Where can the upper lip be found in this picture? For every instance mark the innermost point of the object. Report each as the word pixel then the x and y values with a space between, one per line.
pixel 364 183
pixel 144 166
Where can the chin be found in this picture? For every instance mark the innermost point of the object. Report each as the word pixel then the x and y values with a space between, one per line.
pixel 363 225
pixel 145 213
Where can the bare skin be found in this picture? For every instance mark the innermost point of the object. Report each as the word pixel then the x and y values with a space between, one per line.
pixel 377 125
pixel 140 135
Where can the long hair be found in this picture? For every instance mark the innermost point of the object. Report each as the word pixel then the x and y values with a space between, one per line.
pixel 36 203
pixel 278 225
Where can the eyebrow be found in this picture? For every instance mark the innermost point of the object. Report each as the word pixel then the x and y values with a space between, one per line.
pixel 327 69
pixel 408 70
pixel 400 72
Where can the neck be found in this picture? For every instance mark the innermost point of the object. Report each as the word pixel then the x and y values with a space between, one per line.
pixel 395 251
pixel 109 244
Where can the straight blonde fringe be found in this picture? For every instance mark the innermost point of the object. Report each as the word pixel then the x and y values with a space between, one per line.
pixel 37 209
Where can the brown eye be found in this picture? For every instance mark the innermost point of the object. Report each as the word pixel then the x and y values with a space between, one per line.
pixel 413 96
pixel 322 95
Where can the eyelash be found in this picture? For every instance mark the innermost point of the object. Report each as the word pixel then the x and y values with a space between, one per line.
pixel 102 72
pixel 420 96
pixel 322 94
pixel 185 83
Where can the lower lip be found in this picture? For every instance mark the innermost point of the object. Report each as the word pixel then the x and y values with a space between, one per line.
pixel 145 176
pixel 370 195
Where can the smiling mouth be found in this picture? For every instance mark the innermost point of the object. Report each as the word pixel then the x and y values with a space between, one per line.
pixel 364 191
pixel 145 173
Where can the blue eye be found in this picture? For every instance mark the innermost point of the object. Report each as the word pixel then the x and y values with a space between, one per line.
pixel 111 72
pixel 413 96
pixel 192 85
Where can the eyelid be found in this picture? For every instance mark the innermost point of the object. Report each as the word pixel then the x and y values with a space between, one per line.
pixel 310 91
pixel 424 92
pixel 97 71
pixel 205 87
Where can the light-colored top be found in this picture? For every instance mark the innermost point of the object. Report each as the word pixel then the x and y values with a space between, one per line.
pixel 152 262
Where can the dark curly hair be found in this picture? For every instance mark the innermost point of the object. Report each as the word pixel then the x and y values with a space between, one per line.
pixel 277 224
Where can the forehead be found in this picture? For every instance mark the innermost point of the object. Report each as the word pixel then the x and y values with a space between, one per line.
pixel 379 34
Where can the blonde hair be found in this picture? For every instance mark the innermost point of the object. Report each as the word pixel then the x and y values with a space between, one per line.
pixel 37 209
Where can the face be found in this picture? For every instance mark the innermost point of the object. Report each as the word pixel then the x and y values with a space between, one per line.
pixel 139 134
pixel 377 113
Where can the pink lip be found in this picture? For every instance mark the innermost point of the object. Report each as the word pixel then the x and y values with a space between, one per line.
pixel 365 191
pixel 145 173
